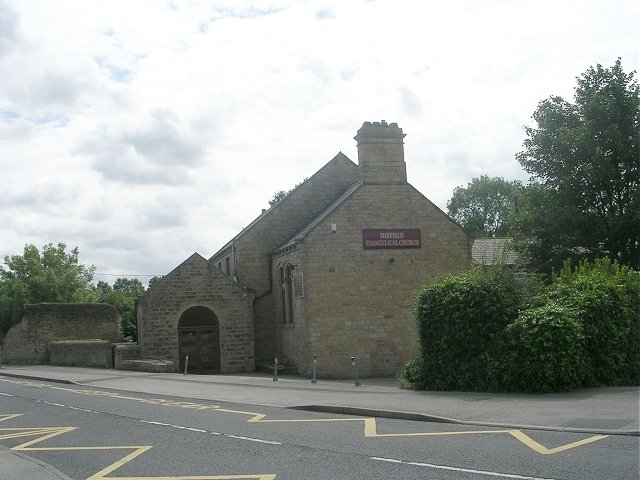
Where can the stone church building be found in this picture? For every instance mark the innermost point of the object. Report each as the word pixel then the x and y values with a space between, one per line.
pixel 331 270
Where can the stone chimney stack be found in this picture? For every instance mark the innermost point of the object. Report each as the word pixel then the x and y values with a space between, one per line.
pixel 381 153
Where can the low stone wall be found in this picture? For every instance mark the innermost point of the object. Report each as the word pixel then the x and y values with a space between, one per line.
pixel 28 342
pixel 82 353
pixel 125 351
pixel 127 357
pixel 147 365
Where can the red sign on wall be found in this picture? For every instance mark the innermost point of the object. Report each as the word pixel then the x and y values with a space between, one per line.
pixel 376 238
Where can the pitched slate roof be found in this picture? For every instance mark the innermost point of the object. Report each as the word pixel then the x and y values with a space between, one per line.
pixel 491 251
pixel 320 217
pixel 340 157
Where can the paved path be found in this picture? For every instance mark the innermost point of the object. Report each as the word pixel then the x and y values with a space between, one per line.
pixel 611 410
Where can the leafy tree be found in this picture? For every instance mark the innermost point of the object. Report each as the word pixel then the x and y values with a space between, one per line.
pixel 103 289
pixel 153 281
pixel 126 307
pixel 544 229
pixel 486 206
pixel 282 194
pixel 278 197
pixel 124 295
pixel 586 154
pixel 129 286
pixel 47 275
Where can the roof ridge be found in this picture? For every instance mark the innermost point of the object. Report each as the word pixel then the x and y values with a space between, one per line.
pixel 270 210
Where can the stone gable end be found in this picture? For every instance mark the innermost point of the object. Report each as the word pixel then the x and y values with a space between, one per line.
pixel 359 302
pixel 198 283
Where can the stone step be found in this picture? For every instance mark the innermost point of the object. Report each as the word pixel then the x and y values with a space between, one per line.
pixel 147 365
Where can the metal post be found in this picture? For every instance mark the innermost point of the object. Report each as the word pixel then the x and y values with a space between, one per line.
pixel 186 364
pixel 355 371
pixel 315 365
pixel 275 371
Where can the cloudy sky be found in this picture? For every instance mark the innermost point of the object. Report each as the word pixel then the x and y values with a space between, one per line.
pixel 142 131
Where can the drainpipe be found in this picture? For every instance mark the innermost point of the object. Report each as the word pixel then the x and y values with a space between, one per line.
pixel 234 272
pixel 264 294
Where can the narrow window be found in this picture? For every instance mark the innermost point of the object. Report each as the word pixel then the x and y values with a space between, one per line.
pixel 283 295
pixel 289 292
pixel 227 266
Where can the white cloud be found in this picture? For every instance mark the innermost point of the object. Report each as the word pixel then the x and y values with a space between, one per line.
pixel 143 131
pixel 163 150
pixel 9 33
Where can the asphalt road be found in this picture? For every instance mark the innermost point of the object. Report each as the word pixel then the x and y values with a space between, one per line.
pixel 98 433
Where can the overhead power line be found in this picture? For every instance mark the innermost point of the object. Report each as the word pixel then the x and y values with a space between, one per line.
pixel 128 274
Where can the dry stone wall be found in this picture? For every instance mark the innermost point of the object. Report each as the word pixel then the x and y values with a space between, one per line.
pixel 43 323
pixel 82 353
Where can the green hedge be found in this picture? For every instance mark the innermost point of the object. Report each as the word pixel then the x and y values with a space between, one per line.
pixel 488 329
pixel 458 319
pixel 543 350
pixel 606 297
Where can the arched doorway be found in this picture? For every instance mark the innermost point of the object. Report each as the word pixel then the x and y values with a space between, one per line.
pixel 199 337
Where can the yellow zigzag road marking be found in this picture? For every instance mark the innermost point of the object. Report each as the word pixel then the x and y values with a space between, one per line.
pixel 529 442
pixel 9 416
pixel 371 431
pixel 217 477
pixel 45 433
pixel 370 426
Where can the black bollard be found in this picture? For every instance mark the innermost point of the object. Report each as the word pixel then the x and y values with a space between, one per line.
pixel 355 371
pixel 315 364
pixel 275 370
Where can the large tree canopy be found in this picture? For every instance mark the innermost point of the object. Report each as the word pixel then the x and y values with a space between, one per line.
pixel 47 275
pixel 586 153
pixel 485 207
pixel 132 287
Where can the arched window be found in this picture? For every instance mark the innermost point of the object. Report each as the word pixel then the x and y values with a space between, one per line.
pixel 288 278
pixel 283 294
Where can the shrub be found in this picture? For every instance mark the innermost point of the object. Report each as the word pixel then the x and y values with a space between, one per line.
pixel 606 297
pixel 457 321
pixel 412 375
pixel 487 329
pixel 543 350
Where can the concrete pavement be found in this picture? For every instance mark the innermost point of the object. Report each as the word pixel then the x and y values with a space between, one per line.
pixel 15 465
pixel 609 410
